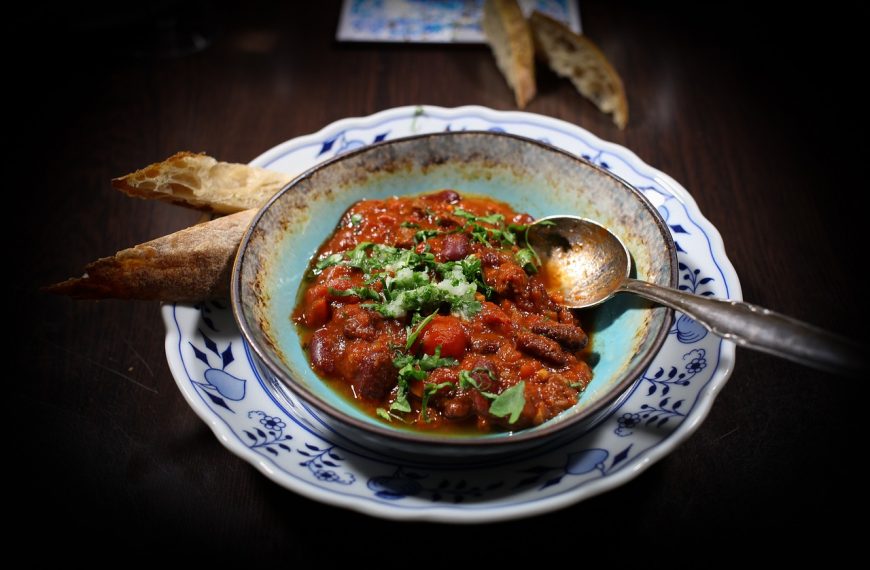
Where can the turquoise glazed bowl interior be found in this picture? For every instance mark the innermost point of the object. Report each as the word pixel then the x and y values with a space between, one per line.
pixel 530 176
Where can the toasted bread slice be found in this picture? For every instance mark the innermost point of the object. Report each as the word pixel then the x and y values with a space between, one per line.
pixel 193 264
pixel 201 182
pixel 579 59
pixel 507 32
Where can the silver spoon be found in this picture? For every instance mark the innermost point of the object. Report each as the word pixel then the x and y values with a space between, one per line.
pixel 588 264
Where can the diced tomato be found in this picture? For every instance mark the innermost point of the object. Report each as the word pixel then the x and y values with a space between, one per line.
pixel 447 333
pixel 317 313
pixel 341 285
pixel 315 292
pixel 527 369
pixel 415 387
pixel 495 317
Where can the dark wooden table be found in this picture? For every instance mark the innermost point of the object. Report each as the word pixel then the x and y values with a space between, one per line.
pixel 754 115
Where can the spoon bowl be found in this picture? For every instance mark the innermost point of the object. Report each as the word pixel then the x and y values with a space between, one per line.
pixel 584 261
pixel 587 264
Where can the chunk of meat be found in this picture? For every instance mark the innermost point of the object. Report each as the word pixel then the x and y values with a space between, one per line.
pixel 361 323
pixel 505 278
pixel 484 371
pixel 542 347
pixel 495 318
pixel 569 336
pixel 457 408
pixel 316 313
pixel 539 296
pixel 552 396
pixel 456 247
pixel 566 317
pixel 322 352
pixel 490 258
pixel 485 343
pixel 316 305
pixel 448 196
pixel 374 375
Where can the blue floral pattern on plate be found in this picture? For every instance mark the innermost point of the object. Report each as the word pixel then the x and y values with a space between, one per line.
pixel 262 422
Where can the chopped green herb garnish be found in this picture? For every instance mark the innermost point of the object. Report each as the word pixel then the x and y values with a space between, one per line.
pixel 412 368
pixel 500 233
pixel 466 380
pixel 361 292
pixel 411 291
pixel 510 402
pixel 423 235
pixel 413 336
pixel 390 416
pixel 432 361
pixel 401 404
pixel 505 236
pixel 493 219
pixel 426 362
pixel 409 225
pixel 525 258
pixel 355 219
pixel 479 233
pixel 329 261
pixel 537 260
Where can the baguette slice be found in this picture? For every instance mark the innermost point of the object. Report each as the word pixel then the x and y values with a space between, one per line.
pixel 193 264
pixel 507 32
pixel 201 182
pixel 579 59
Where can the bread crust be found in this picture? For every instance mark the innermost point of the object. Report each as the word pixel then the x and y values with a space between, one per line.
pixel 579 59
pixel 193 264
pixel 199 181
pixel 510 38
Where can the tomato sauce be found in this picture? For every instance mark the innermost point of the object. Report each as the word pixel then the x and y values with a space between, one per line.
pixel 431 311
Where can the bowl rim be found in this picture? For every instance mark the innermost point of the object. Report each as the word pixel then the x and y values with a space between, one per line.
pixel 433 439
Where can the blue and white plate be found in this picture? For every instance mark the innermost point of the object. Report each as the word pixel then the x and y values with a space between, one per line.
pixel 274 431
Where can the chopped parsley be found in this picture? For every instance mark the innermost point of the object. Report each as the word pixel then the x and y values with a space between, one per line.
pixel 413 368
pixel 423 235
pixel 466 380
pixel 510 402
pixel 525 258
pixel 492 219
pixel 361 292
pixel 408 282
pixel 412 336
pixel 483 234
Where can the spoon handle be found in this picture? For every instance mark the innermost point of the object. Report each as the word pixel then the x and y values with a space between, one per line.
pixel 760 329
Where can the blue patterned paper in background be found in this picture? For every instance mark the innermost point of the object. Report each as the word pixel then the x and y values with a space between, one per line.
pixel 432 21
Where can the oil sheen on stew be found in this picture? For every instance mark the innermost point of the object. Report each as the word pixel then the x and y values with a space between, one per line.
pixel 431 312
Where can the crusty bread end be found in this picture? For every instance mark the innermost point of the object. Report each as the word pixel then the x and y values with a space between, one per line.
pixel 199 181
pixel 193 264
pixel 507 32
pixel 579 59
